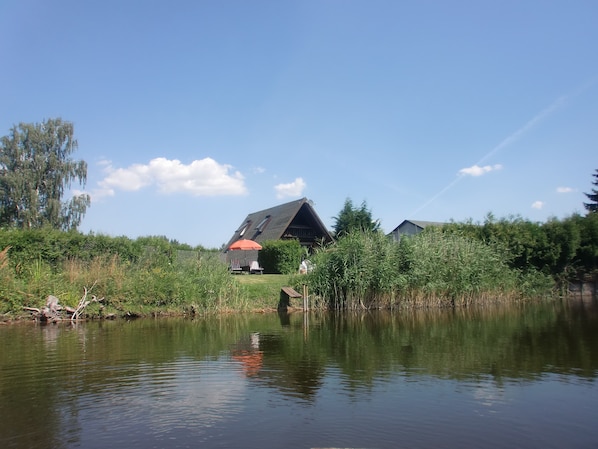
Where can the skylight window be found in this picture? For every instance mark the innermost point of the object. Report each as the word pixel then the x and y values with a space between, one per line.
pixel 260 227
pixel 244 228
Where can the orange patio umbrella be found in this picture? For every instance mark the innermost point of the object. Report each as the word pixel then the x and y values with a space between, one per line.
pixel 245 245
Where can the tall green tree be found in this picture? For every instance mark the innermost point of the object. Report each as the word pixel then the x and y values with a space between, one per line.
pixel 593 197
pixel 352 218
pixel 36 169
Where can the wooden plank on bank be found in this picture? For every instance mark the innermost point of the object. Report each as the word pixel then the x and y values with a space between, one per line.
pixel 290 292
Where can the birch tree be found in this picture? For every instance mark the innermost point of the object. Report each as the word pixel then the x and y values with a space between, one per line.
pixel 36 171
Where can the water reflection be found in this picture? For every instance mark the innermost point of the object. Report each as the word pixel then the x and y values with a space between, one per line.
pixel 247 352
pixel 198 391
pixel 215 381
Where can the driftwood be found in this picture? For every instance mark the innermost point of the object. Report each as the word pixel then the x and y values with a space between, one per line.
pixel 53 311
pixel 50 312
pixel 83 303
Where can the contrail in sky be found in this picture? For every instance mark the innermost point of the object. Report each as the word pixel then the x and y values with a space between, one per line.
pixel 525 128
pixel 557 104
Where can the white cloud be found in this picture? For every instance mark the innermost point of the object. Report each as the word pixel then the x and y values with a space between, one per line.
pixel 565 190
pixel 476 170
pixel 538 204
pixel 204 177
pixel 294 188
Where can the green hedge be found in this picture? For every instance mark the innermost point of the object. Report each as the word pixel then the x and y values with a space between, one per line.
pixel 281 256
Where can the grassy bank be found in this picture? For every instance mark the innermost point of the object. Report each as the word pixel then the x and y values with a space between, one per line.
pixel 150 287
pixel 262 291
pixel 157 277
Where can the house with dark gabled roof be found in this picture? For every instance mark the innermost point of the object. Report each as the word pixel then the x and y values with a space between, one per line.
pixel 411 227
pixel 294 220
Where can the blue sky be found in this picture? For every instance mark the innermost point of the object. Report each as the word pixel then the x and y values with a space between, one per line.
pixel 192 114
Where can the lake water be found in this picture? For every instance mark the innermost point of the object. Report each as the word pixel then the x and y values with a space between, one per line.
pixel 518 377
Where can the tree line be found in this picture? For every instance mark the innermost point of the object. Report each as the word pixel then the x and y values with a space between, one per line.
pixel 565 249
pixel 457 262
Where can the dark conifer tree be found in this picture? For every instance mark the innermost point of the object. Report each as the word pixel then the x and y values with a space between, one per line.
pixel 351 218
pixel 592 206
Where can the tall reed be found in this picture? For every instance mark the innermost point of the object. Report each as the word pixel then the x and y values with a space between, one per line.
pixel 368 270
pixel 358 271
pixel 153 285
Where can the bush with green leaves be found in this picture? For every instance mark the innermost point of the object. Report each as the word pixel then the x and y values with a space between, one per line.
pixel 565 248
pixel 281 256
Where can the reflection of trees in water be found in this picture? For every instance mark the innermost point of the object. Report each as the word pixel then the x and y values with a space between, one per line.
pixel 45 371
pixel 31 388
pixel 279 362
pixel 291 366
pixel 499 342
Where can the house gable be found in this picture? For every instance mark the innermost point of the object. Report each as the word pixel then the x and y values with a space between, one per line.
pixel 412 227
pixel 296 219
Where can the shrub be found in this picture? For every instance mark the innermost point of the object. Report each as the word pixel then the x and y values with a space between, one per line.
pixel 280 256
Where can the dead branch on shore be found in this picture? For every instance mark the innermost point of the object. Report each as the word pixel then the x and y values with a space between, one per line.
pixel 84 302
pixel 53 311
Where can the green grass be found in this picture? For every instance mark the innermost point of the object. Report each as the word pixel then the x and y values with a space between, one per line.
pixel 358 271
pixel 263 290
pixel 262 279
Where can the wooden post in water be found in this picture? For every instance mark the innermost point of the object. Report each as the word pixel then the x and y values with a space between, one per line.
pixel 305 326
pixel 305 313
pixel 305 299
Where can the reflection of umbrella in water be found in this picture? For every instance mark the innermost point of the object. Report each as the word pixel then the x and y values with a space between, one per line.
pixel 249 354
pixel 245 245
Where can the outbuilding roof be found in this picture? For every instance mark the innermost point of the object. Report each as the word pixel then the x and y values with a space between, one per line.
pixel 411 227
pixel 420 223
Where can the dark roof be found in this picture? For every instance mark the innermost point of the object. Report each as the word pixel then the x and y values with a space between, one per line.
pixel 296 219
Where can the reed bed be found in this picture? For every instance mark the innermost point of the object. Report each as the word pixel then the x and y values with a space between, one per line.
pixel 368 270
pixel 150 287
pixel 361 270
